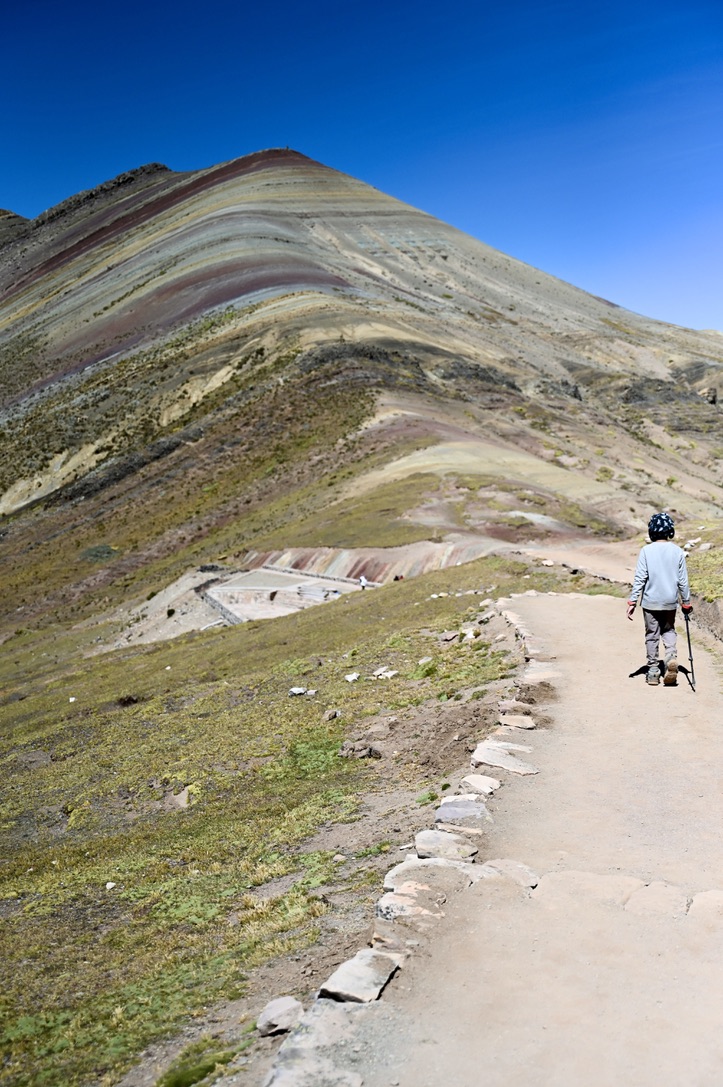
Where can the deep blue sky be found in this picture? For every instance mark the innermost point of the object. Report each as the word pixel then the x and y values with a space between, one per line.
pixel 586 139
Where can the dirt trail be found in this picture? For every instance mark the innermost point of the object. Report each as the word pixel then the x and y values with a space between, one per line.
pixel 615 561
pixel 591 979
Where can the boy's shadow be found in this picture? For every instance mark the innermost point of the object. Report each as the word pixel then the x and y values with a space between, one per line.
pixel 661 665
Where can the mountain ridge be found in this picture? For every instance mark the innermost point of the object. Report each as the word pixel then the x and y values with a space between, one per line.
pixel 154 313
pixel 262 363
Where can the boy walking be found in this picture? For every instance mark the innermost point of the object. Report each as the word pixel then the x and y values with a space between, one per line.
pixel 660 576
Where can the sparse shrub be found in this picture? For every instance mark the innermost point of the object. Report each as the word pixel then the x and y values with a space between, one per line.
pixel 98 553
pixel 373 850
pixel 195 1063
pixel 128 699
pixel 424 671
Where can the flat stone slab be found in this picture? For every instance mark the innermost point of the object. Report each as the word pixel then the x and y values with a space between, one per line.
pixel 418 894
pixel 326 1023
pixel 485 754
pixel 432 870
pixel 707 908
pixel 362 978
pixel 386 936
pixel 279 1016
pixel 468 829
pixel 519 873
pixel 440 843
pixel 508 745
pixel 560 890
pixel 454 875
pixel 302 1060
pixel 661 899
pixel 467 812
pixel 481 783
pixel 518 720
pixel 456 798
pixel 485 871
pixel 512 705
pixel 403 903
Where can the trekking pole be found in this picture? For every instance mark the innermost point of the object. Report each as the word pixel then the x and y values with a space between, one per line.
pixel 690 650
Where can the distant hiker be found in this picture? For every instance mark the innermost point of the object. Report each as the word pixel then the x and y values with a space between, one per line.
pixel 363 582
pixel 660 576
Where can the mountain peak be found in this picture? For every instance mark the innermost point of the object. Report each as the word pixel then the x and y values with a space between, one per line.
pixel 132 305
pixel 12 226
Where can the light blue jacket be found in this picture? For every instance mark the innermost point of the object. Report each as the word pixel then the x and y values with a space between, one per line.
pixel 660 575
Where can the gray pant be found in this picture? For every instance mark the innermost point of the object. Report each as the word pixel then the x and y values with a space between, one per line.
pixel 659 624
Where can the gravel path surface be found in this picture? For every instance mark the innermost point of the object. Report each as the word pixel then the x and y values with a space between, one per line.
pixel 609 972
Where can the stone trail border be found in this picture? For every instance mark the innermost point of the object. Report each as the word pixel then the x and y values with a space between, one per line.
pixel 603 969
pixel 602 963
pixel 445 863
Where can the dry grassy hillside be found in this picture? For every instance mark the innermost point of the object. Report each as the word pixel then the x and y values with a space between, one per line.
pixel 267 356
pixel 187 361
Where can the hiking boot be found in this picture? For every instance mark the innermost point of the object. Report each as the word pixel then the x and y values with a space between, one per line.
pixel 653 675
pixel 670 679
